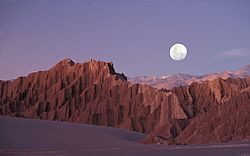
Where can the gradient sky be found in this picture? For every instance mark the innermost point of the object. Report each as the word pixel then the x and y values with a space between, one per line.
pixel 134 34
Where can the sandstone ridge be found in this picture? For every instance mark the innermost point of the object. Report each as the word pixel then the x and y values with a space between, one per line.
pixel 93 93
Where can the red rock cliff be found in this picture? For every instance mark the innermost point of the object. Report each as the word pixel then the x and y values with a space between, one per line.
pixel 94 93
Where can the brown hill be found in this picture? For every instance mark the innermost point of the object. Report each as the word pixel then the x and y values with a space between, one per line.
pixel 94 93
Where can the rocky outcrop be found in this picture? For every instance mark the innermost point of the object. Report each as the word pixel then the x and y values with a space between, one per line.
pixel 217 111
pixel 222 112
pixel 93 93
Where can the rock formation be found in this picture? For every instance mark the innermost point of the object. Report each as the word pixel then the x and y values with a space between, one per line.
pixel 217 111
pixel 93 93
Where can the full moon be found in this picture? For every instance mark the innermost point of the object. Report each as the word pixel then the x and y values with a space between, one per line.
pixel 178 52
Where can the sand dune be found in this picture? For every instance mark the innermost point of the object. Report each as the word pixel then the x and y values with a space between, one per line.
pixel 22 137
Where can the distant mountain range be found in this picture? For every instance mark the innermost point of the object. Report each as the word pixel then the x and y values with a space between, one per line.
pixel 175 80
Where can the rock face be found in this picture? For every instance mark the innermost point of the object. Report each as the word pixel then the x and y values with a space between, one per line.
pixel 94 93
pixel 218 111
pixel 91 93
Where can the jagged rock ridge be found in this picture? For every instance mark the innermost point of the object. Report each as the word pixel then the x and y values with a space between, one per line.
pixel 93 93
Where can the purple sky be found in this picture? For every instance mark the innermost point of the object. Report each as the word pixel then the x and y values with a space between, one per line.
pixel 134 34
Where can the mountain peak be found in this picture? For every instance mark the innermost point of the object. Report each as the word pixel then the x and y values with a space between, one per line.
pixel 65 62
pixel 93 66
pixel 245 68
pixel 174 80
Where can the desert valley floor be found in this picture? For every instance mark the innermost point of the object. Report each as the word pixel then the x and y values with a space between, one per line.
pixel 22 137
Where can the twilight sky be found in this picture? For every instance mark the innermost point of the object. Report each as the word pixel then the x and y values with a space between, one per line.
pixel 134 34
